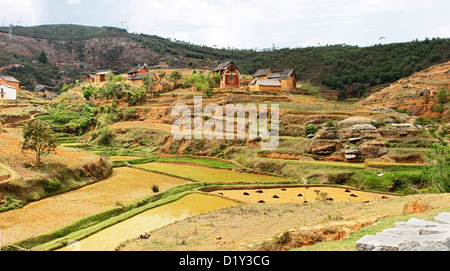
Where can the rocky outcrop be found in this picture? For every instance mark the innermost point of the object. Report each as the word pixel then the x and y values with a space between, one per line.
pixel 323 147
pixel 373 149
pixel 354 121
pixel 413 235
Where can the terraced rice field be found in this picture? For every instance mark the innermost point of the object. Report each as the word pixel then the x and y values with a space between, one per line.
pixel 300 195
pixel 210 175
pixel 122 158
pixel 125 184
pixel 110 238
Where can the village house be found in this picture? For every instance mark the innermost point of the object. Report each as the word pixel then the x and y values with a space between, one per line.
pixel 266 79
pixel 139 69
pixel 101 77
pixel 9 87
pixel 229 75
pixel 137 80
pixel 90 78
pixel 287 77
pixel 262 73
pixel 257 84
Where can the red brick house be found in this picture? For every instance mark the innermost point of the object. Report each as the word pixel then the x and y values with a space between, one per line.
pixel 138 70
pixel 90 78
pixel 229 75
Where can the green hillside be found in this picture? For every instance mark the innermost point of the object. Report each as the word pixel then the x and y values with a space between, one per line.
pixel 351 70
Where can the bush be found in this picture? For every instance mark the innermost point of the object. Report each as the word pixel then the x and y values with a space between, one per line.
pixel 422 121
pixel 155 188
pixel 310 130
pixel 52 185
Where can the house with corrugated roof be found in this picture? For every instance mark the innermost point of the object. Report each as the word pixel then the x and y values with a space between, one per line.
pixel 100 77
pixel 259 84
pixel 229 75
pixel 9 87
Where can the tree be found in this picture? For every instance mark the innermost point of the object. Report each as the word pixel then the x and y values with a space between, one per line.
pixel 87 93
pixel 38 137
pixel 43 58
pixel 442 95
pixel 174 78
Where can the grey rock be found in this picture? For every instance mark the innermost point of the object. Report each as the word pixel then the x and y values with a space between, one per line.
pixel 433 242
pixel 355 139
pixel 404 125
pixel 413 235
pixel 378 243
pixel 352 151
pixel 362 127
pixel 350 156
pixel 443 218
pixel 415 223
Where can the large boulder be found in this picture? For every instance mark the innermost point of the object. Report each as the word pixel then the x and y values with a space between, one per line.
pixel 373 149
pixel 325 134
pixel 323 147
pixel 353 121
pixel 362 127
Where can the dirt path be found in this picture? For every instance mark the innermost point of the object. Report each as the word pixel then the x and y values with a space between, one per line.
pixel 12 173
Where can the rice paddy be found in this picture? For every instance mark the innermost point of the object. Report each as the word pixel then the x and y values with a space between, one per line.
pixel 300 195
pixel 210 175
pixel 110 238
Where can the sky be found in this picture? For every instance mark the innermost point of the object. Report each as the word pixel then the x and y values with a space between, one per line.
pixel 248 24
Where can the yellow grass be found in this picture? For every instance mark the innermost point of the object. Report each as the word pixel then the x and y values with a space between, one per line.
pixel 210 175
pixel 291 195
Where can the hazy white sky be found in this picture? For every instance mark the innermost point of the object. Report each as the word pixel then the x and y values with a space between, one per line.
pixel 248 23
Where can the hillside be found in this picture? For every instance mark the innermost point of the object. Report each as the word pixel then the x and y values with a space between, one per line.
pixel 413 94
pixel 74 50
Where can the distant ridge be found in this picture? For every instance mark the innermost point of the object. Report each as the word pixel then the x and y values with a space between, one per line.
pixel 348 71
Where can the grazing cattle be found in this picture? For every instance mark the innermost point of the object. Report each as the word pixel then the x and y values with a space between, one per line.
pixel 261 201
pixel 347 191
pixel 259 191
pixel 275 197
pixel 299 195
pixel 283 189
pixel 353 195
pixel 246 194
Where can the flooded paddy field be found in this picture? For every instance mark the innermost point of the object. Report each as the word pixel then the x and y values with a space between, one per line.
pixel 210 175
pixel 110 238
pixel 300 195
pixel 124 185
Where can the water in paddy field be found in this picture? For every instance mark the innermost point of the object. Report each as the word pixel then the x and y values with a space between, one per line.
pixel 110 238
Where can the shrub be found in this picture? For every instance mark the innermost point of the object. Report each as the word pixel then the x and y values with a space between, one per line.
pixel 310 130
pixel 155 188
pixel 52 185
